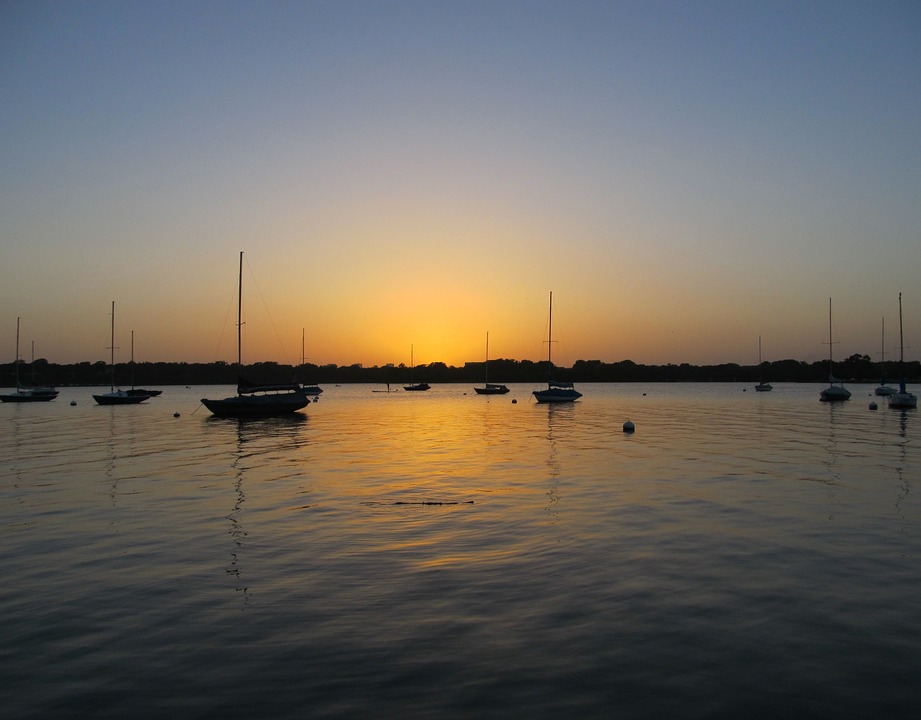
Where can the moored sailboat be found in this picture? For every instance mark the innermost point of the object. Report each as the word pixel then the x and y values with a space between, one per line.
pixel 883 389
pixel 134 390
pixel 308 388
pixel 256 400
pixel 903 399
pixel 418 387
pixel 117 397
pixel 488 387
pixel 762 386
pixel 833 393
pixel 27 394
pixel 556 391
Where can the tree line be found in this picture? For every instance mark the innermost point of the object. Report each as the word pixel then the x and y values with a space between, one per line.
pixel 856 368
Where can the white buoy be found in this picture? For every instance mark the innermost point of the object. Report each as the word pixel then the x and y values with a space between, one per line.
pixel 873 406
pixel 629 427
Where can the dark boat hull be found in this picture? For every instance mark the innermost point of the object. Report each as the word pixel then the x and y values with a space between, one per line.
pixel 257 405
pixel 556 395
pixel 119 398
pixel 417 387
pixel 43 396
pixel 491 390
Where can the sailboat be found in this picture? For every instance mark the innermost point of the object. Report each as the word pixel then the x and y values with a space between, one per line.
pixel 490 388
pixel 117 397
pixel 883 389
pixel 27 394
pixel 762 386
pixel 556 391
pixel 833 393
pixel 902 399
pixel 412 367
pixel 134 390
pixel 309 388
pixel 256 400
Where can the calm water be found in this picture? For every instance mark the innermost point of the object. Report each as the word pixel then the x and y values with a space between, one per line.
pixel 442 555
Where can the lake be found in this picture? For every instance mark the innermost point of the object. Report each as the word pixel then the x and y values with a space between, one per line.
pixel 449 555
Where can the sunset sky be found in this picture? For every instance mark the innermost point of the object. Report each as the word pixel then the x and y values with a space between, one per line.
pixel 684 176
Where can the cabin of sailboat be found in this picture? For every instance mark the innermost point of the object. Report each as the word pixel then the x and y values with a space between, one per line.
pixel 256 400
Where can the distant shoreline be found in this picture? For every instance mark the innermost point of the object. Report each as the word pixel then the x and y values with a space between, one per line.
pixel 857 369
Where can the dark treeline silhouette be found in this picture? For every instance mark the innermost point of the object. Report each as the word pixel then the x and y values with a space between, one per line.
pixel 856 368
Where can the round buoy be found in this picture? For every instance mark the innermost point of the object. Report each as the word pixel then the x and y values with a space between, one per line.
pixel 629 427
pixel 175 414
pixel 514 401
pixel 644 394
pixel 73 402
pixel 873 406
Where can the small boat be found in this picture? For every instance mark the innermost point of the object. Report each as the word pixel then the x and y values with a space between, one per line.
pixel 762 386
pixel 311 389
pixel 32 393
pixel 556 391
pixel 388 390
pixel 903 399
pixel 490 388
pixel 412 366
pixel 117 397
pixel 883 389
pixel 256 400
pixel 834 392
pixel 134 390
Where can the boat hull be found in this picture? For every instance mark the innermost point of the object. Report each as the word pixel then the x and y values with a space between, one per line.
pixel 418 387
pixel 119 397
pixel 555 395
pixel 26 395
pixel 884 391
pixel 491 390
pixel 903 399
pixel 764 387
pixel 257 405
pixel 835 394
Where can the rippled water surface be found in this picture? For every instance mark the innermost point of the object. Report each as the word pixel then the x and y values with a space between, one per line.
pixel 446 555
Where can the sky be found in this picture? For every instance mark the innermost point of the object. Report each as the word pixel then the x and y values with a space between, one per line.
pixel 685 177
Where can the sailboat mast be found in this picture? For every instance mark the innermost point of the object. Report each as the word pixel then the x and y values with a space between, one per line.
pixel 112 349
pixel 550 333
pixel 17 351
pixel 487 359
pixel 901 339
pixel 240 316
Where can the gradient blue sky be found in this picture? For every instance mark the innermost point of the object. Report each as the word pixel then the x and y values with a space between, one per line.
pixel 685 176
